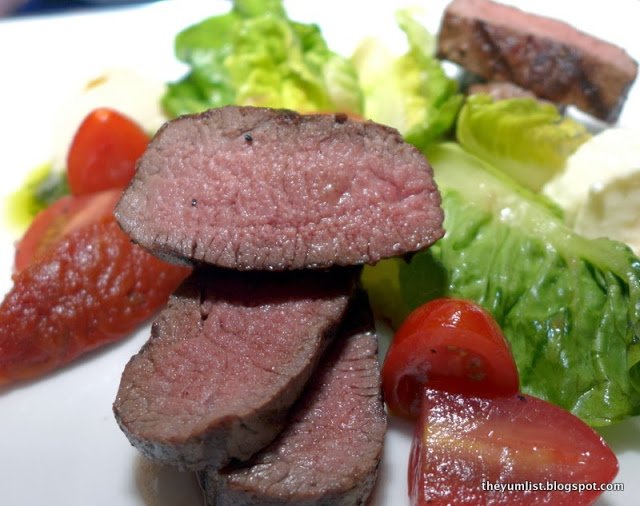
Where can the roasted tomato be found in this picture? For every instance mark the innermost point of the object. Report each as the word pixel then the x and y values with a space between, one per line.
pixel 104 152
pixel 448 344
pixel 512 450
pixel 62 217
pixel 91 287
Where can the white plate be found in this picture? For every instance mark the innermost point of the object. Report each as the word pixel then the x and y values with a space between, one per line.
pixel 59 443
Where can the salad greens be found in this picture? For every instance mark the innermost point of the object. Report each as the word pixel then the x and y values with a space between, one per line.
pixel 503 132
pixel 569 306
pixel 411 93
pixel 255 55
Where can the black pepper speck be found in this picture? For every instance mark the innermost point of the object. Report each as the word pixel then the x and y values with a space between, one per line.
pixel 341 117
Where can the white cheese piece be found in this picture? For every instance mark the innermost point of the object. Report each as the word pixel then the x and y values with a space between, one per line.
pixel 600 187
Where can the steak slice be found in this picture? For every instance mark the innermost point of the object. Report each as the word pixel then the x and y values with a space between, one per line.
pixel 500 90
pixel 551 58
pixel 329 452
pixel 256 188
pixel 227 358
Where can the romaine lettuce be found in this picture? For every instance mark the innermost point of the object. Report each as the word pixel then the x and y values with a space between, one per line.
pixel 411 92
pixel 383 287
pixel 528 139
pixel 569 306
pixel 254 55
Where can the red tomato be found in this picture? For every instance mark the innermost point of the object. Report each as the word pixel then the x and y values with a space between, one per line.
pixel 454 313
pixel 465 447
pixel 104 152
pixel 62 217
pixel 90 288
pixel 448 344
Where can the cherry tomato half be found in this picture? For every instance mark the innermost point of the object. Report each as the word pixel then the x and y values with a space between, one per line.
pixel 59 219
pixel 453 313
pixel 452 345
pixel 104 152
pixel 465 448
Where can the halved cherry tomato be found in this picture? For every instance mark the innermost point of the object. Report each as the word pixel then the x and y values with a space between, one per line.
pixel 453 313
pixel 104 152
pixel 465 448
pixel 452 345
pixel 59 219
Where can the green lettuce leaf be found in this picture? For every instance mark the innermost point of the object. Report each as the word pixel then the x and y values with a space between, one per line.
pixel 383 287
pixel 569 306
pixel 411 92
pixel 528 139
pixel 255 55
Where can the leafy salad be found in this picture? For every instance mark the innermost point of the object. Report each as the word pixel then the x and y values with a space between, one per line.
pixel 570 306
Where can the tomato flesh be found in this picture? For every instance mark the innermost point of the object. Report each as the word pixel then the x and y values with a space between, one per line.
pixel 91 288
pixel 104 152
pixel 465 447
pixel 452 345
pixel 59 219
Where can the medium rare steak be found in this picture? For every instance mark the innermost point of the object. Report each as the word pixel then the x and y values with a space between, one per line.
pixel 552 59
pixel 255 188
pixel 227 358
pixel 329 452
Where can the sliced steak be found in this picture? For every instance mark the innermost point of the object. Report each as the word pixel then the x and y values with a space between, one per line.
pixel 226 359
pixel 551 58
pixel 329 452
pixel 500 90
pixel 254 188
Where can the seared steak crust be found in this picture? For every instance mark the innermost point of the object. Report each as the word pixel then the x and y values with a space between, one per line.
pixel 551 58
